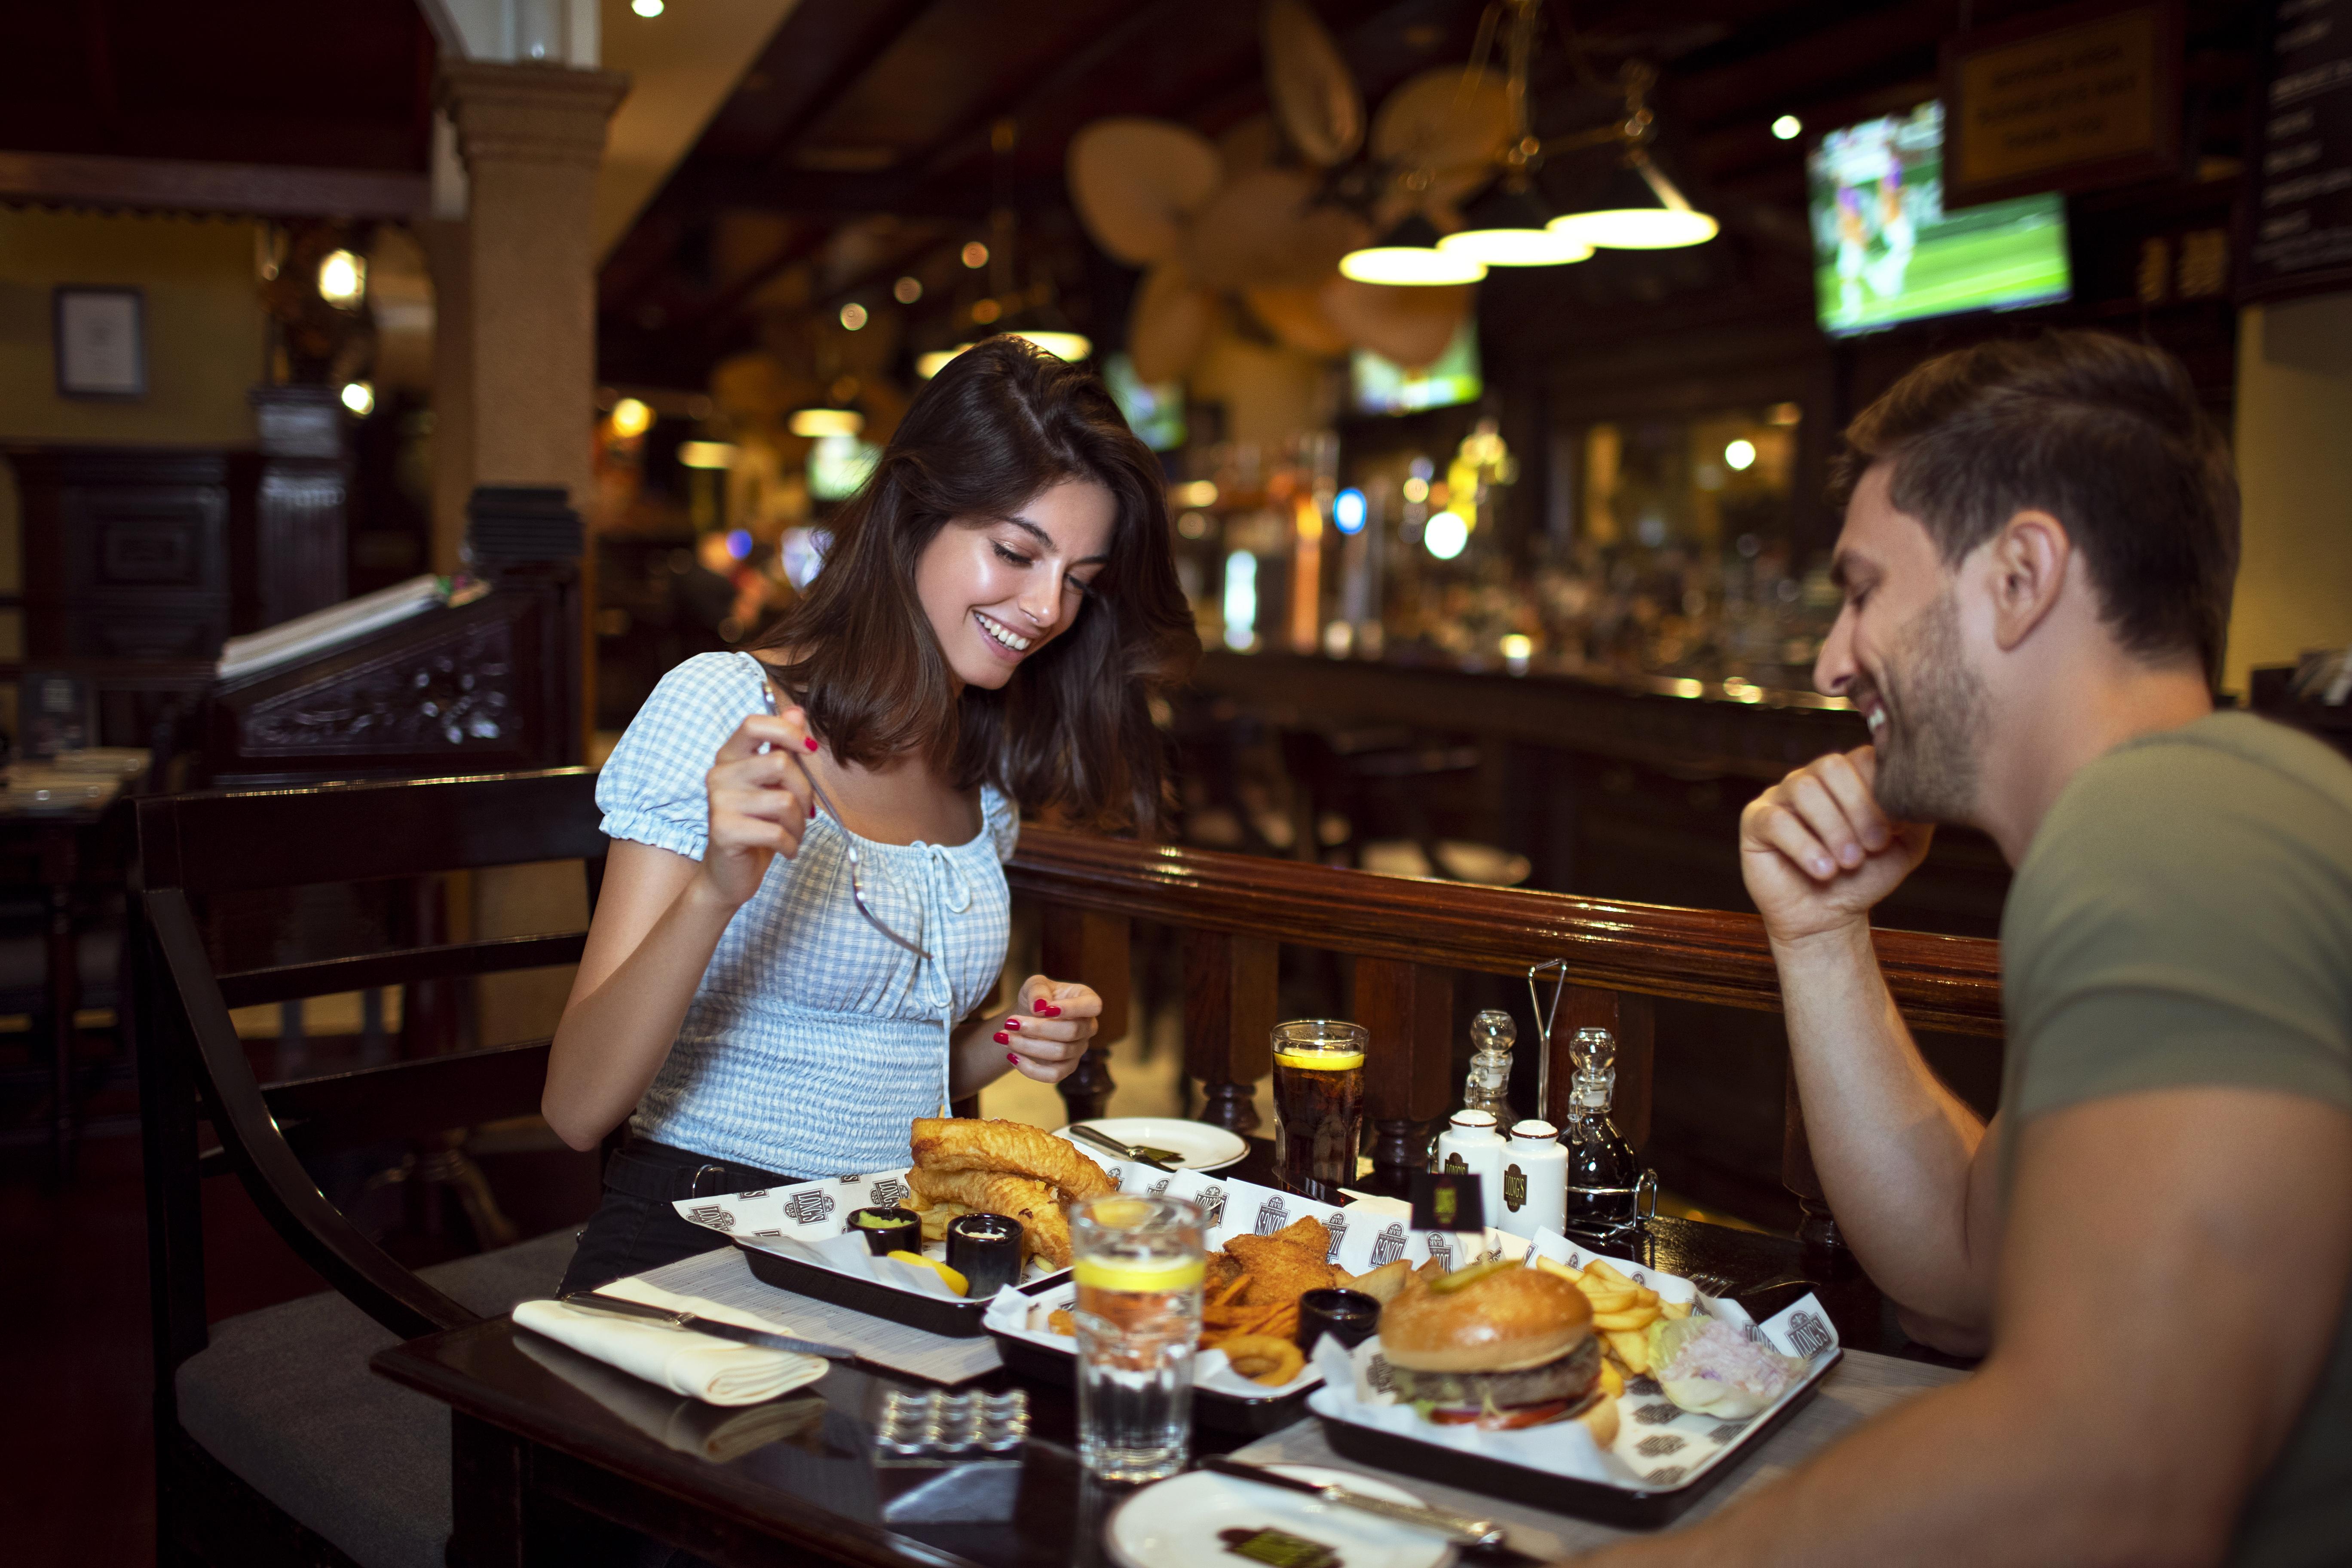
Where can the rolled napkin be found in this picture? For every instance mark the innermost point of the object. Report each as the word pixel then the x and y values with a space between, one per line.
pixel 718 1372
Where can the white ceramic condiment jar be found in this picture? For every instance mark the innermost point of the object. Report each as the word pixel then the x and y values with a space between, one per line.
pixel 1535 1181
pixel 1470 1144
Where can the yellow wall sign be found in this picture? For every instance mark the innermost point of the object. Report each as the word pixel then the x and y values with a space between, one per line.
pixel 2090 96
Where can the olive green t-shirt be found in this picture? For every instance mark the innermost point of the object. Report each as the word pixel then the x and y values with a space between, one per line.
pixel 2184 916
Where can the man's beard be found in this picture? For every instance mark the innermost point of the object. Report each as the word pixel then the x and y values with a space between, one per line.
pixel 1929 746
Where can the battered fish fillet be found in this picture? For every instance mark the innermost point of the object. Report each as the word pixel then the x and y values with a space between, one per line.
pixel 1045 1229
pixel 1008 1148
pixel 1309 1233
pixel 1279 1270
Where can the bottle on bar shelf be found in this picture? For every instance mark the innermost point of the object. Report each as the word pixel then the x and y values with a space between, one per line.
pixel 1488 1087
pixel 1607 1188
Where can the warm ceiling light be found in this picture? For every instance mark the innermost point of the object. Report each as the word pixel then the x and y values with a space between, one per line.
pixel 631 418
pixel 1516 246
pixel 646 8
pixel 1672 222
pixel 930 365
pixel 975 254
pixel 906 290
pixel 1407 255
pixel 853 316
pixel 707 454
pixel 815 422
pixel 1788 128
pixel 342 280
pixel 1741 455
pixel 1409 265
pixel 986 311
pixel 1507 229
pixel 1071 346
pixel 358 397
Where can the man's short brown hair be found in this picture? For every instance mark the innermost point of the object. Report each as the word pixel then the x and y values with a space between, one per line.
pixel 2104 434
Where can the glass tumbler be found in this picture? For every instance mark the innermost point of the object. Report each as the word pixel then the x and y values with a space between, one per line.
pixel 1138 1263
pixel 1318 1104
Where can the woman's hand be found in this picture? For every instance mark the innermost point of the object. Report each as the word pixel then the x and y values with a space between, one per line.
pixel 1047 1037
pixel 760 802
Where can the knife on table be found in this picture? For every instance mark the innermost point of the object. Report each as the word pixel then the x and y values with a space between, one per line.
pixel 1125 1151
pixel 1459 1529
pixel 621 1307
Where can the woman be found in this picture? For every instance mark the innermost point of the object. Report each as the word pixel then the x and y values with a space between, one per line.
pixel 998 603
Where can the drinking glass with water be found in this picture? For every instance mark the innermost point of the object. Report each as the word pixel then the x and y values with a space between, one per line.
pixel 1138 1263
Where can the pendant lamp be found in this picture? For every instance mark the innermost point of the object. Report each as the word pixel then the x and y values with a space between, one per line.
pixel 1409 254
pixel 1640 209
pixel 1509 229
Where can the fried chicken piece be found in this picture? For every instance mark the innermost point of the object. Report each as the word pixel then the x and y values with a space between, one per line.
pixel 1279 1270
pixel 1044 1228
pixel 1008 1148
pixel 1309 1233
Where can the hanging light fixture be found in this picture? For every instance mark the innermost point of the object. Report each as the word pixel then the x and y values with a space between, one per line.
pixel 1409 254
pixel 1509 229
pixel 815 422
pixel 1639 208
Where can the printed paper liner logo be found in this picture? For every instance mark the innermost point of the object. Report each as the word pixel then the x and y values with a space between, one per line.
pixel 714 1216
pixel 890 1193
pixel 1389 1246
pixel 1337 1225
pixel 1271 1215
pixel 805 1207
pixel 1442 1249
pixel 1212 1199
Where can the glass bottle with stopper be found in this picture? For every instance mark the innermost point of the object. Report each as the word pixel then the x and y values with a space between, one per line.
pixel 1608 1189
pixel 1488 1087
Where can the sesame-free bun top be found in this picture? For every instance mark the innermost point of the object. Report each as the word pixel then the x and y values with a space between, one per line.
pixel 1505 1321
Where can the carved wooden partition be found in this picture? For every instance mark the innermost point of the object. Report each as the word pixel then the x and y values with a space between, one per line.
pixel 1408 938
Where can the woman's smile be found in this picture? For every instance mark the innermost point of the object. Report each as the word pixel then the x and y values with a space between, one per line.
pixel 1007 642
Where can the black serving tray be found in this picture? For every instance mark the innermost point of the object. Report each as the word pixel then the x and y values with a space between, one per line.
pixel 1211 1407
pixel 932 1314
pixel 1633 1507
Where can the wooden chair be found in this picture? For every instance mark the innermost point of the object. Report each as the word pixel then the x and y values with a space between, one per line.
pixel 1409 938
pixel 274 1443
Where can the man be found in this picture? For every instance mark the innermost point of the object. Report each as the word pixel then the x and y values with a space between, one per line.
pixel 2150 1243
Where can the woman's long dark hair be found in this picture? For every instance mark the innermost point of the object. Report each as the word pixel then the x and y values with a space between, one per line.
pixel 1070 736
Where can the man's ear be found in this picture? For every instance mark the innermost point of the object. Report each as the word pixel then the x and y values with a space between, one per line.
pixel 2029 559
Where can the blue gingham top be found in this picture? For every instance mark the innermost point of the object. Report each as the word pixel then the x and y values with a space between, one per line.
pixel 812 1040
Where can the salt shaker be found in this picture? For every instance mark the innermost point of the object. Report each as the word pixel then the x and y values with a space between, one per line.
pixel 1535 1181
pixel 1470 1145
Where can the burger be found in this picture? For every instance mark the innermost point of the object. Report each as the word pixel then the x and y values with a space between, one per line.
pixel 1499 1347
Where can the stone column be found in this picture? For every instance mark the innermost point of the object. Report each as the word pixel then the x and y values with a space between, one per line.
pixel 525 339
pixel 531 137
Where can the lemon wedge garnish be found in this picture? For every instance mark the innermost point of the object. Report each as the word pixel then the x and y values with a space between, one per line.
pixel 955 1281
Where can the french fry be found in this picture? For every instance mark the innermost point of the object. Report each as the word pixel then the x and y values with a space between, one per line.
pixel 1608 1271
pixel 1553 1266
pixel 1627 1322
pixel 1674 1310
pixel 1605 1301
pixel 1632 1349
pixel 1649 1296
pixel 1612 1382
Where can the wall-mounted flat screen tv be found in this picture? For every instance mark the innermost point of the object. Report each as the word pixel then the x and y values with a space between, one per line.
pixel 1886 251
pixel 1383 386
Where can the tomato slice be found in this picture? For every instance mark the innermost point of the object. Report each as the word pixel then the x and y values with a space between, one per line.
pixel 1509 1420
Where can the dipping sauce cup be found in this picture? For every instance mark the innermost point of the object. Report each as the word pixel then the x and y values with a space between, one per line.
pixel 985 1248
pixel 887 1230
pixel 1349 1317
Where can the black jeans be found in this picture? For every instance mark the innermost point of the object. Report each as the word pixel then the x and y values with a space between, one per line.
pixel 634 1228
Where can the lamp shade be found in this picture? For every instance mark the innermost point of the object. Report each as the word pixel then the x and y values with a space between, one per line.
pixel 1407 255
pixel 1509 229
pixel 1640 209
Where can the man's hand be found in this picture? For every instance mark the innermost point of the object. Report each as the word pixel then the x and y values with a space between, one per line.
pixel 1816 851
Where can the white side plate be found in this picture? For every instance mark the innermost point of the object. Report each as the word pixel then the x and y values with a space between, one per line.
pixel 1200 1146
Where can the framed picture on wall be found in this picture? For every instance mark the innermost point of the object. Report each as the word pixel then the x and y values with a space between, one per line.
pixel 101 342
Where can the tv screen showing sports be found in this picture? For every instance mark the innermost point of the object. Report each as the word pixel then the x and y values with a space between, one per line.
pixel 1885 250
pixel 1383 386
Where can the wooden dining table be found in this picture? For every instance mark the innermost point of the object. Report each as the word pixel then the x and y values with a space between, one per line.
pixel 556 1456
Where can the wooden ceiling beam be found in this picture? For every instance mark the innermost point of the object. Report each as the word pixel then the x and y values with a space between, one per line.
pixel 881 26
pixel 158 184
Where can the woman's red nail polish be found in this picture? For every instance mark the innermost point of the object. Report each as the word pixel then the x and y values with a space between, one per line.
pixel 810 741
pixel 1012 1023
pixel 1002 1038
pixel 811 813
pixel 1046 1010
pixel 1013 1059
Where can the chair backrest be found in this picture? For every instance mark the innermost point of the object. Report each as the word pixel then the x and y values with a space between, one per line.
pixel 199 847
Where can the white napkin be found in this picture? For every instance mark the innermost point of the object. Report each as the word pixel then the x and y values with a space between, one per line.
pixel 716 1371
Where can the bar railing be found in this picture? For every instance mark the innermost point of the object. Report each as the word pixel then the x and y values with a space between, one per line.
pixel 1409 938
